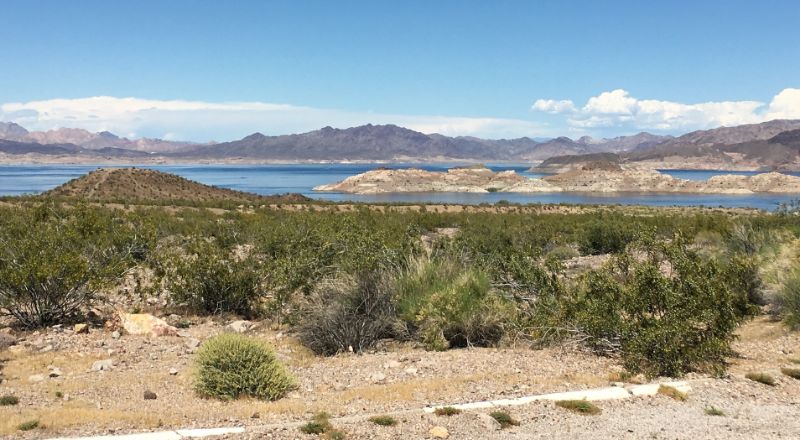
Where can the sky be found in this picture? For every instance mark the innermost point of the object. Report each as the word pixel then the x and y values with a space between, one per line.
pixel 220 70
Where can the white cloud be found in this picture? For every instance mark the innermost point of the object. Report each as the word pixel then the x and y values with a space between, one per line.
pixel 553 106
pixel 201 121
pixel 618 109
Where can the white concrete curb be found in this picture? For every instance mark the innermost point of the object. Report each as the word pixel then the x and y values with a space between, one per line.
pixel 596 394
pixel 164 435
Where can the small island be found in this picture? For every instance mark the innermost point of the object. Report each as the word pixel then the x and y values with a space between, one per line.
pixel 600 177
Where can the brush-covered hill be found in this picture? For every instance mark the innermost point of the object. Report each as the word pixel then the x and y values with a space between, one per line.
pixel 139 185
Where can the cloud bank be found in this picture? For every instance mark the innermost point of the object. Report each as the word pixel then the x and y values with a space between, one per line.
pixel 620 110
pixel 205 121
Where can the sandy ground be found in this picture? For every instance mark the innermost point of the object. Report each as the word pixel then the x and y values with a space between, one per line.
pixel 398 378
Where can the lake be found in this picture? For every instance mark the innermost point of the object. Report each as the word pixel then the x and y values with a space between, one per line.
pixel 301 178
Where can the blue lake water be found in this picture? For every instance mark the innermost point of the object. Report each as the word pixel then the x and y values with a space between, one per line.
pixel 301 178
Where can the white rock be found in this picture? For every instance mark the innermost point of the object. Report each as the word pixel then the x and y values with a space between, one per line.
pixel 115 334
pixel 488 422
pixel 239 326
pixel 36 378
pixel 173 371
pixel 103 365
pixel 55 372
pixel 377 378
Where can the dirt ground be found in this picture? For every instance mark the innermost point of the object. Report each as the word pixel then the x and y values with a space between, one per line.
pixel 398 379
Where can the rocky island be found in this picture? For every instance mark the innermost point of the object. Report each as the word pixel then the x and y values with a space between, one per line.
pixel 605 178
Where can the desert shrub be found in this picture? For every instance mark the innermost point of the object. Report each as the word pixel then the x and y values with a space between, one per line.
pixel 662 323
pixel 714 411
pixel 349 314
pixel 579 406
pixel 504 419
pixel 383 420
pixel 321 425
pixel 230 365
pixel 9 400
pixel 788 299
pixel 209 279
pixel 606 236
pixel 450 306
pixel 562 253
pixel 744 238
pixel 446 411
pixel 53 261
pixel 28 426
pixel 743 277
pixel 764 378
pixel 794 373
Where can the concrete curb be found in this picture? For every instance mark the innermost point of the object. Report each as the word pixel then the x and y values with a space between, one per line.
pixel 596 394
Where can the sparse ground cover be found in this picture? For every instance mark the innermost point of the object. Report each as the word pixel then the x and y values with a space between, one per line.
pixel 461 306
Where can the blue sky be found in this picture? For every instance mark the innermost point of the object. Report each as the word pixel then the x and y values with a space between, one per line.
pixel 494 69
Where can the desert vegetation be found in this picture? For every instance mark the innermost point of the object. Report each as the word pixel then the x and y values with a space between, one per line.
pixel 665 294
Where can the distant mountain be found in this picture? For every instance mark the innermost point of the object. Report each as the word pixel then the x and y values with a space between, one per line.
pixel 390 142
pixel 88 140
pixel 769 145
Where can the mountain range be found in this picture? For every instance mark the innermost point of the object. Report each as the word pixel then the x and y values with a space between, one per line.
pixel 767 145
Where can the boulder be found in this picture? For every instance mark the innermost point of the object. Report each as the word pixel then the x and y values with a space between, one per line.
pixel 149 395
pixel 488 422
pixel 439 432
pixel 145 324
pixel 6 340
pixel 239 326
pixel 103 365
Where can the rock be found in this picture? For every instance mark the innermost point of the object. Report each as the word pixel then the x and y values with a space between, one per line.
pixel 439 432
pixel 103 365
pixel 378 378
pixel 149 395
pixel 411 370
pixel 488 422
pixel 46 348
pixel 239 326
pixel 55 372
pixel 193 343
pixel 6 340
pixel 392 364
pixel 36 378
pixel 173 371
pixel 146 324
pixel 81 328
pixel 115 334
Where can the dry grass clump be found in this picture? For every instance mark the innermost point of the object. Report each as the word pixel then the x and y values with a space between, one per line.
pixel 764 378
pixel 504 419
pixel 383 420
pixel 794 373
pixel 579 406
pixel 447 411
pixel 713 411
pixel 9 400
pixel 320 425
pixel 672 392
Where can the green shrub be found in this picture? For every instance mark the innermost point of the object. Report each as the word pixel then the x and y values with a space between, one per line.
pixel 504 419
pixel 230 365
pixel 764 378
pixel 579 406
pixel 446 411
pixel 662 325
pixel 212 280
pixel 605 236
pixel 452 307
pixel 349 314
pixel 53 261
pixel 789 299
pixel 383 420
pixel 321 425
pixel 9 400
pixel 28 426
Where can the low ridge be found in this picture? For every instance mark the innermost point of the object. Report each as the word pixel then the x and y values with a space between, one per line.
pixel 145 185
